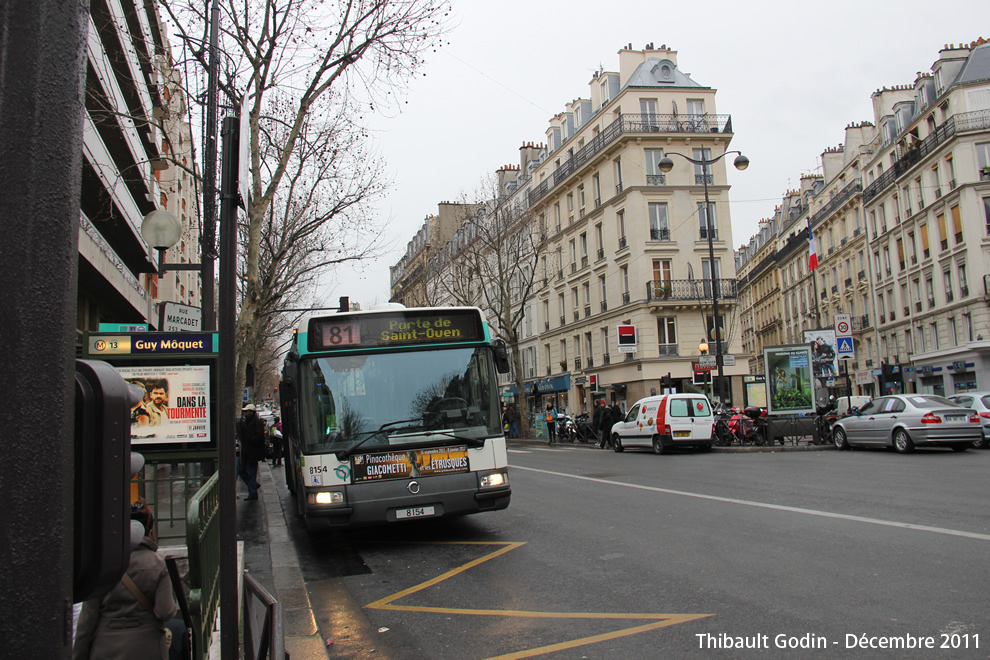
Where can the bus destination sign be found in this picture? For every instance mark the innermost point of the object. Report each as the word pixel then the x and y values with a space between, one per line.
pixel 401 328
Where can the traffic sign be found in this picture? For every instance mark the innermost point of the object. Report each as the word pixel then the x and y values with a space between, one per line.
pixel 729 360
pixel 844 345
pixel 843 325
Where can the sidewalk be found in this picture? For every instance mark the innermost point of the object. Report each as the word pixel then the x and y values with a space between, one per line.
pixel 276 565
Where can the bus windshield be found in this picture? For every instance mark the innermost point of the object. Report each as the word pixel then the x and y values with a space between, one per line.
pixel 376 401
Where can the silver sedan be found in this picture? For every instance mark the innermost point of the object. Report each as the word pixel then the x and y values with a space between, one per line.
pixel 906 421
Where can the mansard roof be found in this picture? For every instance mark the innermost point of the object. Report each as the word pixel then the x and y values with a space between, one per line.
pixel 977 66
pixel 659 72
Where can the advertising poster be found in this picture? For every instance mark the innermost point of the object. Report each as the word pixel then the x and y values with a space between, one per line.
pixel 826 364
pixel 789 381
pixel 406 464
pixel 176 404
pixel 756 391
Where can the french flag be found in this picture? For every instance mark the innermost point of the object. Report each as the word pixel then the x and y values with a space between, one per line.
pixel 813 258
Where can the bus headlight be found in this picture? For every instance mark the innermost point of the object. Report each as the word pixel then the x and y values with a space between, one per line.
pixel 326 497
pixel 495 479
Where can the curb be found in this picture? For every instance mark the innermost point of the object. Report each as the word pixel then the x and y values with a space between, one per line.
pixel 302 636
pixel 749 449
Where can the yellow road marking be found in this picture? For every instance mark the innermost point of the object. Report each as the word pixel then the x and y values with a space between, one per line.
pixel 659 620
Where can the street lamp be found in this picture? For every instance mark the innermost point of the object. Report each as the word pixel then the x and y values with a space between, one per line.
pixel 740 163
pixel 703 349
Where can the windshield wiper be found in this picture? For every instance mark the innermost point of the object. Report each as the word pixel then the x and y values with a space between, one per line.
pixel 343 455
pixel 474 442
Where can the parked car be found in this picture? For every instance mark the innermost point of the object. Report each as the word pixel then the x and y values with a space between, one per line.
pixel 980 402
pixel 663 422
pixel 906 421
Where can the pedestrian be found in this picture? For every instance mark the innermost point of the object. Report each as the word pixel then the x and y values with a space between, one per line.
pixel 551 420
pixel 596 419
pixel 506 430
pixel 513 423
pixel 605 426
pixel 129 621
pixel 251 435
pixel 617 414
pixel 275 437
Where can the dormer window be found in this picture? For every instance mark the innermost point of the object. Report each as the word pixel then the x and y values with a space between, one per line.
pixel 664 71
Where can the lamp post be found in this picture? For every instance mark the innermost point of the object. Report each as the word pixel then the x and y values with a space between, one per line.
pixel 703 349
pixel 740 163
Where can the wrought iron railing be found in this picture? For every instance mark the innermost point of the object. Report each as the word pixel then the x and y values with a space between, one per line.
pixel 643 123
pixel 668 349
pixel 656 179
pixel 855 186
pixel 700 290
pixel 661 234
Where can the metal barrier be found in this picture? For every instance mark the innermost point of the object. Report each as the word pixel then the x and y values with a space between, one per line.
pixel 203 543
pixel 264 623
pixel 166 484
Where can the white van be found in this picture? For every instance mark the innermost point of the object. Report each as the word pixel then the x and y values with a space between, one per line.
pixel 663 422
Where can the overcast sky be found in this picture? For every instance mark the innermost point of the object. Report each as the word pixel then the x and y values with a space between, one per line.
pixel 792 77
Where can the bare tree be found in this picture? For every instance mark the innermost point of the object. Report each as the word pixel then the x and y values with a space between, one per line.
pixel 294 60
pixel 492 264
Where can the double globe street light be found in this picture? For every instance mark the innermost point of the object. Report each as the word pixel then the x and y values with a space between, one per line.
pixel 741 163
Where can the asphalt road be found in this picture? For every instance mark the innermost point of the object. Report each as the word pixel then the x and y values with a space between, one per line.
pixel 603 555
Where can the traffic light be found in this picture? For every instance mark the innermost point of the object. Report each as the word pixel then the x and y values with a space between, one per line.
pixel 104 466
pixel 667 383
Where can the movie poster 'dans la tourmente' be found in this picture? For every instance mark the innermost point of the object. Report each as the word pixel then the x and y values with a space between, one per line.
pixel 175 407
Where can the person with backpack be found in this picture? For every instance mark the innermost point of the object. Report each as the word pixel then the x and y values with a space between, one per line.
pixel 551 420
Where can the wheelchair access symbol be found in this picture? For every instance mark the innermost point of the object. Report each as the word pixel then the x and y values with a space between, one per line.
pixel 844 345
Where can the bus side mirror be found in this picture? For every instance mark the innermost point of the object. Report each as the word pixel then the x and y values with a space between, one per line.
pixel 501 356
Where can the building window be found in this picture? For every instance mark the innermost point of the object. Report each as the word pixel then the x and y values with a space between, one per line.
pixel 654 177
pixel 703 221
pixel 702 173
pixel 659 228
pixel 956 225
pixel 667 333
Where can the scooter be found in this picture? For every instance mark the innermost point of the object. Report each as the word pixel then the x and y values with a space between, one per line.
pixel 749 425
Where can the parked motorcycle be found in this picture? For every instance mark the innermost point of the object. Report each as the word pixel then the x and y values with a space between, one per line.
pixel 566 429
pixel 749 425
pixel 825 417
pixel 585 431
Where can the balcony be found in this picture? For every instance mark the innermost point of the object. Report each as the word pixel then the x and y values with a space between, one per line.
pixel 914 260
pixel 948 296
pixel 587 311
pixel 907 311
pixel 938 193
pixel 601 253
pixel 622 243
pixel 918 306
pixel 901 264
pixel 546 326
pixel 843 242
pixel 931 303
pixel 869 363
pixel 584 261
pixel 662 234
pixel 856 232
pixel 702 179
pixel 573 268
pixel 656 179
pixel 893 316
pixel 921 150
pixel 824 295
pixel 703 234
pixel 625 298
pixel 861 322
pixel 598 202
pixel 563 320
pixel 668 350
pixel 591 362
pixel 697 290
pixel 944 243
pixel 577 363
pixel 606 359
pixel 831 251
pixel 848 282
pixel 548 371
pixel 844 195
pixel 577 315
pixel 618 188
pixel 963 291
pixel 835 289
pixel 861 275
pixel 560 275
pixel 604 306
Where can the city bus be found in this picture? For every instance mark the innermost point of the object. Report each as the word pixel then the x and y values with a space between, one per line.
pixel 392 415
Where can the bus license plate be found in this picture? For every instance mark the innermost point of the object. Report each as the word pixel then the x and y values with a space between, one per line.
pixel 682 434
pixel 415 512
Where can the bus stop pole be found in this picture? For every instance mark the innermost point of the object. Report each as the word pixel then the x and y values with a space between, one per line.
pixel 227 362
